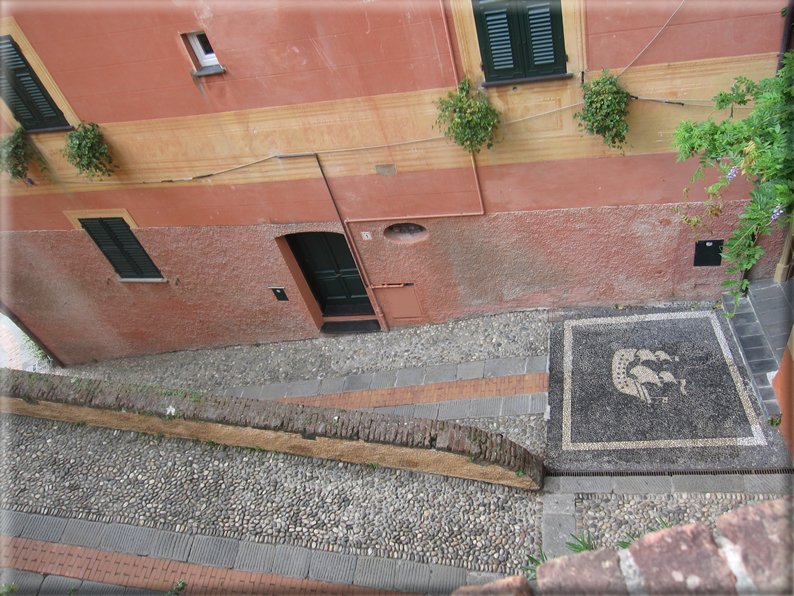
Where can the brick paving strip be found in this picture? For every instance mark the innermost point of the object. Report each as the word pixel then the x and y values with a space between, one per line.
pixel 149 573
pixel 433 393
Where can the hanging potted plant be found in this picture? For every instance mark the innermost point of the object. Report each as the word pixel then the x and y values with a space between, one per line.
pixel 605 110
pixel 87 151
pixel 16 151
pixel 470 121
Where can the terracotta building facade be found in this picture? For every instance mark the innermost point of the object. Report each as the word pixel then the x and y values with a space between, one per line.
pixel 279 169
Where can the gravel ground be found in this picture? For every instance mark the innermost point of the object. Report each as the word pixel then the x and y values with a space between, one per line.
pixel 522 333
pixel 173 484
pixel 609 518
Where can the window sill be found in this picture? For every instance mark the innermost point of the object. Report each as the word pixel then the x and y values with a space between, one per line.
pixel 552 77
pixel 66 128
pixel 143 280
pixel 209 70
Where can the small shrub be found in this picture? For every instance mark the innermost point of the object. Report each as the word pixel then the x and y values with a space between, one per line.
pixel 87 151
pixel 606 105
pixel 16 151
pixel 470 121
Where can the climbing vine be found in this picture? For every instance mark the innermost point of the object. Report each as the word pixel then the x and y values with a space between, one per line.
pixel 759 147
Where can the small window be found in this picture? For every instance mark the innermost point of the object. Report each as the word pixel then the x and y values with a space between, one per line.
pixel 23 92
pixel 520 39
pixel 115 239
pixel 206 59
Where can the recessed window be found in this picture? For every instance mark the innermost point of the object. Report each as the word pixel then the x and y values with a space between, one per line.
pixel 405 232
pixel 520 39
pixel 23 92
pixel 115 239
pixel 205 56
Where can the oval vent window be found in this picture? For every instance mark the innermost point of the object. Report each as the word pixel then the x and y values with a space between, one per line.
pixel 406 232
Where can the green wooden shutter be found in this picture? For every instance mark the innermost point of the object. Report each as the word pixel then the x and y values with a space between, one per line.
pixel 541 23
pixel 23 92
pixel 498 29
pixel 115 239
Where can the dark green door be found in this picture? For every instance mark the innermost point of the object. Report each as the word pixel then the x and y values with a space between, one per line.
pixel 331 273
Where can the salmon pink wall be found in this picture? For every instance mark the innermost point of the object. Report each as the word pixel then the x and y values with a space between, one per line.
pixel 65 291
pixel 115 63
pixel 604 181
pixel 618 30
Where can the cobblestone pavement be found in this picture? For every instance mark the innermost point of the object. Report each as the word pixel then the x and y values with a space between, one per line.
pixel 522 333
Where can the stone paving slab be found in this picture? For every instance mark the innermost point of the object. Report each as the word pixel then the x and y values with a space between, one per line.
pixel 330 567
pixel 58 585
pixel 429 411
pixel 255 557
pixel 291 561
pixel 82 532
pixel 372 572
pixel 478 578
pixel 470 370
pixel 503 367
pixel 444 579
pixel 578 484
pixel 557 530
pixel 274 391
pixel 516 405
pixel 122 538
pixel 12 522
pixel 138 592
pixel 303 388
pixel 537 365
pixel 171 545
pixel 385 379
pixel 412 577
pixel 332 385
pixel 485 407
pixel 717 483
pixel 27 582
pixel 776 484
pixel 100 589
pixel 213 551
pixel 44 527
pixel 409 377
pixel 559 504
pixel 357 382
pixel 454 410
pixel 643 485
pixel 442 373
pixel 251 392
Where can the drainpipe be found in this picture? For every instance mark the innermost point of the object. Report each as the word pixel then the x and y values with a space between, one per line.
pixel 14 319
pixel 449 40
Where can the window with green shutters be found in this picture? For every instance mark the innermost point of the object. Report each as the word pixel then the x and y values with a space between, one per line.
pixel 520 38
pixel 115 239
pixel 23 92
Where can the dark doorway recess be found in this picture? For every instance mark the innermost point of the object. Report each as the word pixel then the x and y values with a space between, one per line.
pixel 331 273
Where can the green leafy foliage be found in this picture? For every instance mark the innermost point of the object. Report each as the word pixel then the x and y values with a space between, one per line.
pixel 581 543
pixel 631 538
pixel 606 105
pixel 179 586
pixel 534 563
pixel 87 151
pixel 16 151
pixel 759 147
pixel 469 120
pixel 8 589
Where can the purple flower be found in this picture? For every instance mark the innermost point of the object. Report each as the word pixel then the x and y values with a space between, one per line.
pixel 777 211
pixel 732 174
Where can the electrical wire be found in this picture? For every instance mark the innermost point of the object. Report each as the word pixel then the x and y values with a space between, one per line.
pixel 654 38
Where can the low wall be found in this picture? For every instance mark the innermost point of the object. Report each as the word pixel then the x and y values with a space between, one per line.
pixel 431 446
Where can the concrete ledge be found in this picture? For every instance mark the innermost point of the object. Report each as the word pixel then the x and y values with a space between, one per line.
pixel 430 446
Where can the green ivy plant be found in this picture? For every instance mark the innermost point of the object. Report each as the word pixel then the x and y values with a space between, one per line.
pixel 468 119
pixel 87 151
pixel 16 151
pixel 606 105
pixel 759 147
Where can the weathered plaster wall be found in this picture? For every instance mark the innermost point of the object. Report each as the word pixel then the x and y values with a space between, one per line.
pixel 119 62
pixel 617 31
pixel 61 286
